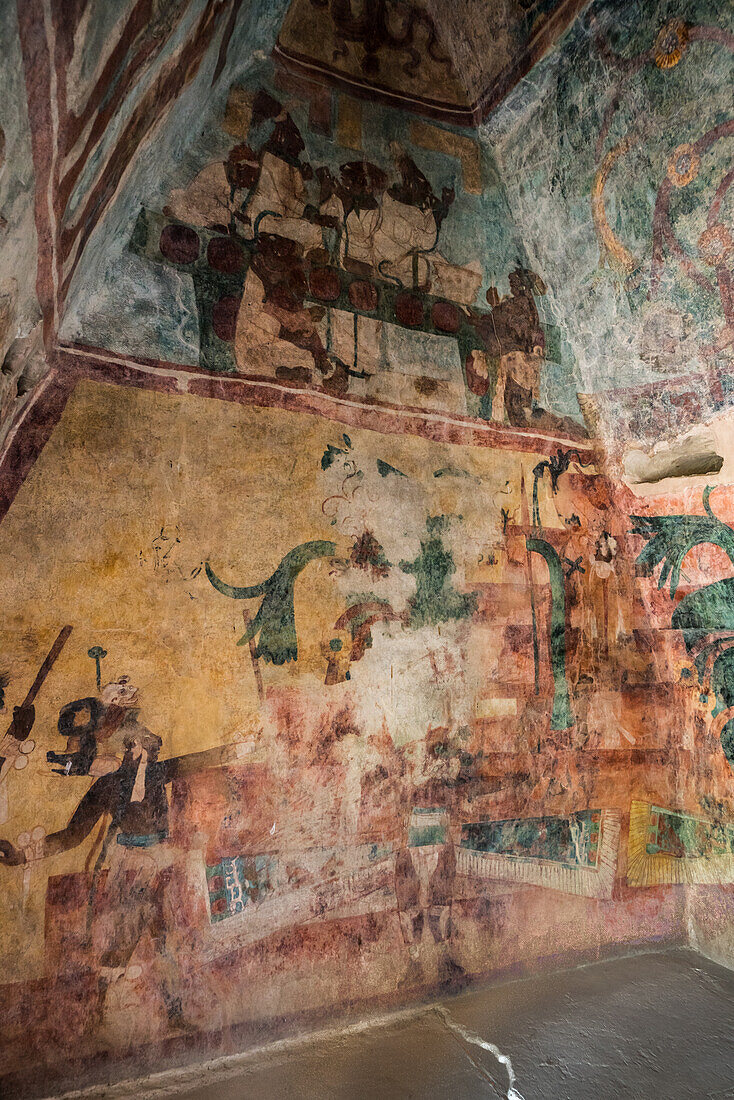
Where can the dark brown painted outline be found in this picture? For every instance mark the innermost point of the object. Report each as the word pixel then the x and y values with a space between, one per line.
pixel 71 126
pixel 29 436
pixel 175 75
pixel 37 66
pixel 55 243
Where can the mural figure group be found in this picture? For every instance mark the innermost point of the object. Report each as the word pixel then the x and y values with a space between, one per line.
pixel 143 885
pixel 300 270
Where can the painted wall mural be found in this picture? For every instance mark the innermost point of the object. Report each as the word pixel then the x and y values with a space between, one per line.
pixel 627 130
pixel 687 303
pixel 704 615
pixel 334 275
pixel 338 666
pixel 667 846
pixel 411 52
pixel 390 727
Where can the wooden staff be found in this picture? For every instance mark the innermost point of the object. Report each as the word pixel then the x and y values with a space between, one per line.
pixel 15 745
pixel 525 521
pixel 24 715
pixel 255 662
pixel 16 727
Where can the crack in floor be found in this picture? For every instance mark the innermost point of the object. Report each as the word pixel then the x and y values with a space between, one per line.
pixel 476 1040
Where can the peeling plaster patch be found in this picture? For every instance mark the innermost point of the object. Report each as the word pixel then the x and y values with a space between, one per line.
pixel 476 1040
pixel 496 708
pixel 690 455
pixel 21 371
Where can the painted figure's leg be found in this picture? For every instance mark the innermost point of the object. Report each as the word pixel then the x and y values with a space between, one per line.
pixel 168 905
pixel 410 915
pixel 118 921
pixel 498 402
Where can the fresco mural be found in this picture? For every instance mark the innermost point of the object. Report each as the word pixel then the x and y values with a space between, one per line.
pixel 334 275
pixel 631 134
pixel 703 615
pixel 339 664
pixel 407 52
pixel 666 846
pixel 395 719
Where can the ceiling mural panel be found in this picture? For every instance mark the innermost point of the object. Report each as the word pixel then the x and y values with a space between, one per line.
pixel 370 257
pixel 617 160
pixel 417 55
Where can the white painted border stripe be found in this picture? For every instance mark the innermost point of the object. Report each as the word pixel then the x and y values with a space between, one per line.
pixel 389 410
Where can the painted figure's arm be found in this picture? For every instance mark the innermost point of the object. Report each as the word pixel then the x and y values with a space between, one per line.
pixel 96 802
pixel 179 766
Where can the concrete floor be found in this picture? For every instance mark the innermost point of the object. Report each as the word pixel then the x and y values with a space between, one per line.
pixel 648 1027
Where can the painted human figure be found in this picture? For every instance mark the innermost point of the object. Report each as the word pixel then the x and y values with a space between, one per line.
pixel 424 884
pixel 596 525
pixel 517 339
pixel 95 728
pixel 142 893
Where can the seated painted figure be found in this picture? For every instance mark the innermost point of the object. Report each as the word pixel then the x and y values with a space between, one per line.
pixel 94 729
pixel 142 887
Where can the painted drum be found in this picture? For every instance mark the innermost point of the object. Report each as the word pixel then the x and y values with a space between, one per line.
pixel 446 316
pixel 224 317
pixel 408 310
pixel 324 284
pixel 363 295
pixel 225 255
pixel 179 244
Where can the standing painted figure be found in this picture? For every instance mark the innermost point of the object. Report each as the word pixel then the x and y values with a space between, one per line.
pixel 142 892
pixel 424 885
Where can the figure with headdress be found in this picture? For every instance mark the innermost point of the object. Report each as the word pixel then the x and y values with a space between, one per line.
pixel 142 891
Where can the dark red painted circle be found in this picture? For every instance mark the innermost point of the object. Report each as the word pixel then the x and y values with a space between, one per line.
pixel 409 309
pixel 446 316
pixel 225 255
pixel 224 317
pixel 363 295
pixel 324 283
pixel 180 244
